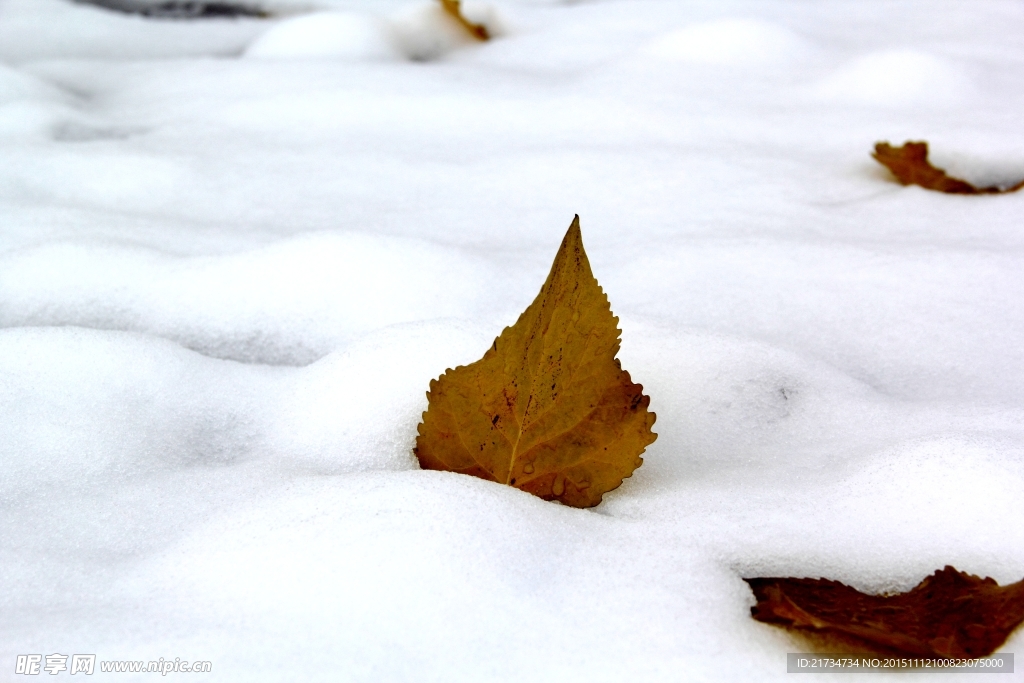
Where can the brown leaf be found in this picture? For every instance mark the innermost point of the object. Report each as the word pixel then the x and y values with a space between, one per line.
pixel 454 8
pixel 949 614
pixel 910 165
pixel 548 409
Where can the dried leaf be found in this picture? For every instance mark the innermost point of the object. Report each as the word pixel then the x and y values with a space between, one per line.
pixel 454 8
pixel 548 409
pixel 910 165
pixel 949 614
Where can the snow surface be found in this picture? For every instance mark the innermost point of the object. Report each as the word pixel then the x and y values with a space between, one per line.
pixel 233 253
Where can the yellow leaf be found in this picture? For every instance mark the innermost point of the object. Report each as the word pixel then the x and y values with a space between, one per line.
pixel 548 409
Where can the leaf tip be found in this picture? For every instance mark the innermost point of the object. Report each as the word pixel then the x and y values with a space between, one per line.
pixel 574 235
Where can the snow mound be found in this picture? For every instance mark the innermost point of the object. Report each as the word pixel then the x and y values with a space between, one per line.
pixel 290 303
pixel 336 35
pixel 17 85
pixel 356 410
pixel 59 29
pixel 29 106
pixel 895 78
pixel 424 31
pixel 729 41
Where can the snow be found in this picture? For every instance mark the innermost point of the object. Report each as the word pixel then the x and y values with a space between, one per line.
pixel 730 41
pixel 233 254
pixel 896 77
pixel 338 35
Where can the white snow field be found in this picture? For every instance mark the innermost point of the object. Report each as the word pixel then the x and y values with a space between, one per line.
pixel 234 253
